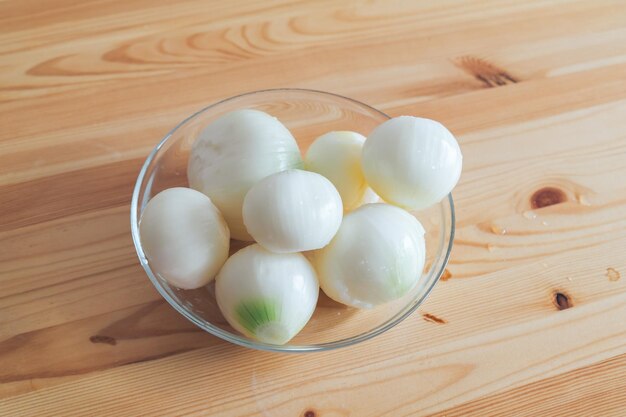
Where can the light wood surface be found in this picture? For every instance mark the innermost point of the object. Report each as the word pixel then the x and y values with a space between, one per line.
pixel 531 318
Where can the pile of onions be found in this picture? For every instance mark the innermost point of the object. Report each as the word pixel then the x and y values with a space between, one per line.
pixel 249 182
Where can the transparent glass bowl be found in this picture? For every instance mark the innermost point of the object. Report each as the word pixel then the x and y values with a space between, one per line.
pixel 308 114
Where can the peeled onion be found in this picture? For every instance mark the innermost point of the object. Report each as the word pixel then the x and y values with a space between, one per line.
pixel 337 156
pixel 233 153
pixel 292 211
pixel 184 237
pixel 265 295
pixel 412 162
pixel 377 256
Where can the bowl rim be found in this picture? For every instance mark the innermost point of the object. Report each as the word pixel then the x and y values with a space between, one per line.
pixel 241 340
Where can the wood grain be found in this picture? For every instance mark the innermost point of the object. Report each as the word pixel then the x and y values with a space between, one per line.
pixel 530 318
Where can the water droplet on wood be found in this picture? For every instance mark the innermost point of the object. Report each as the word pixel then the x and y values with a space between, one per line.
pixel 613 274
pixel 498 230
pixel 583 200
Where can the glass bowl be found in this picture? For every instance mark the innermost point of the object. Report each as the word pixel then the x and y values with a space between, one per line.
pixel 308 114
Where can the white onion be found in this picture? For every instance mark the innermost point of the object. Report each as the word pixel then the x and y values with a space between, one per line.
pixel 412 162
pixel 184 237
pixel 233 153
pixel 377 256
pixel 292 211
pixel 265 295
pixel 337 156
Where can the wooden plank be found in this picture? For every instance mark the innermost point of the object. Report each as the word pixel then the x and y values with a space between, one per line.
pixel 592 390
pixel 529 320
pixel 422 381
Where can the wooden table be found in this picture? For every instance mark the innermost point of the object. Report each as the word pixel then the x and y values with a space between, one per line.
pixel 531 320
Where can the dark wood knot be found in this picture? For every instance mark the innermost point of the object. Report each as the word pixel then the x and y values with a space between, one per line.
pixel 562 301
pixel 547 196
pixel 108 340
